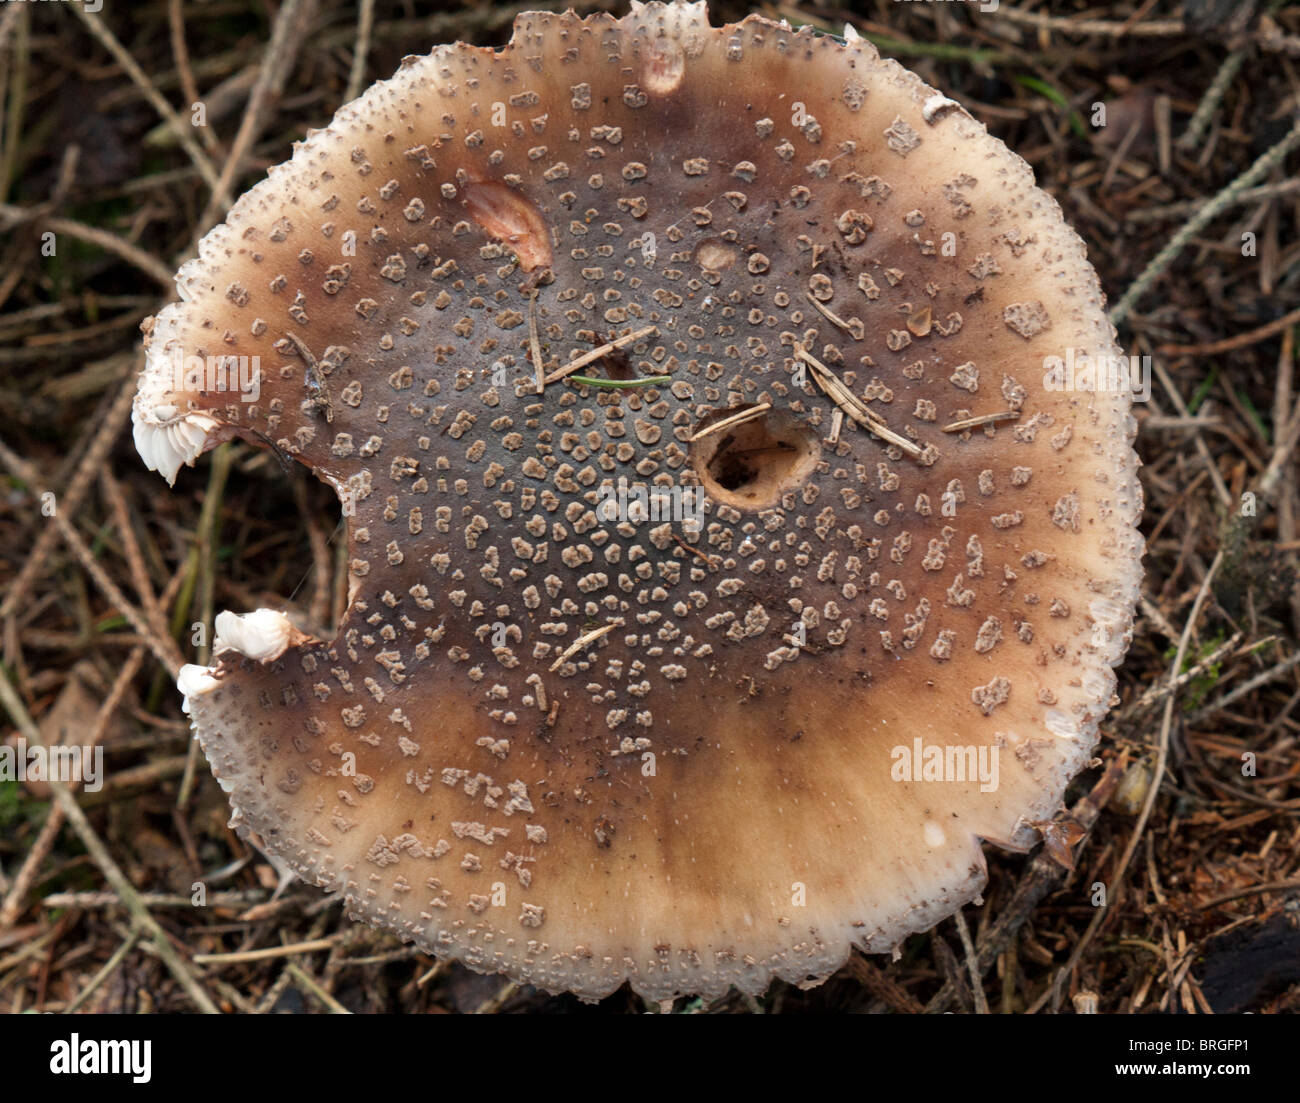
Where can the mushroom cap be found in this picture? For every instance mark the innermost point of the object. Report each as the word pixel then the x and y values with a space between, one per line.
pixel 557 739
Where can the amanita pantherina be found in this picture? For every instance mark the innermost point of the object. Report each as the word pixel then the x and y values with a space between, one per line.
pixel 581 747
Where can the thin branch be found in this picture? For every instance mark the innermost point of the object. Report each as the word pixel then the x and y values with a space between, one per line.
pixel 1209 105
pixel 1153 789
pixel 972 964
pixel 26 876
pixel 290 27
pixel 365 24
pixel 1205 215
pixel 1042 876
pixel 104 860
pixel 184 132
pixel 38 559
pixel 118 956
pixel 189 88
pixel 265 954
pixel 150 265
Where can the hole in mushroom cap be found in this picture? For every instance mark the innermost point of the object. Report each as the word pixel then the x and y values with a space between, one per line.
pixel 750 464
pixel 512 219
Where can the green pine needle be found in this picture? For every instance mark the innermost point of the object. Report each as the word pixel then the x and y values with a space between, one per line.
pixel 590 382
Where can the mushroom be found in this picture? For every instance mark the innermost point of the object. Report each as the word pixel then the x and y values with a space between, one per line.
pixel 580 743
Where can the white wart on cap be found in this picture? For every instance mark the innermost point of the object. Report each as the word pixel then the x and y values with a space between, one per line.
pixel 579 749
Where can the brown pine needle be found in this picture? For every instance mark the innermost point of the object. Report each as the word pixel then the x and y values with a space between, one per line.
pixel 595 354
pixel 982 419
pixel 853 406
pixel 539 690
pixel 839 391
pixel 837 423
pixel 534 343
pixel 239 957
pixel 708 559
pixel 729 421
pixel 856 332
pixel 1232 344
pixel 581 642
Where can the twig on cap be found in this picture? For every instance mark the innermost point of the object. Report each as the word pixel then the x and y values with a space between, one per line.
pixel 838 389
pixel 315 379
pixel 730 420
pixel 534 343
pixel 708 559
pixel 581 642
pixel 837 423
pixel 854 406
pixel 595 354
pixel 705 207
pixel 539 690
pixel 982 419
pixel 834 318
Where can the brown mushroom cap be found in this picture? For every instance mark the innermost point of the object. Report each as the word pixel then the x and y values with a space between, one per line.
pixel 581 751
